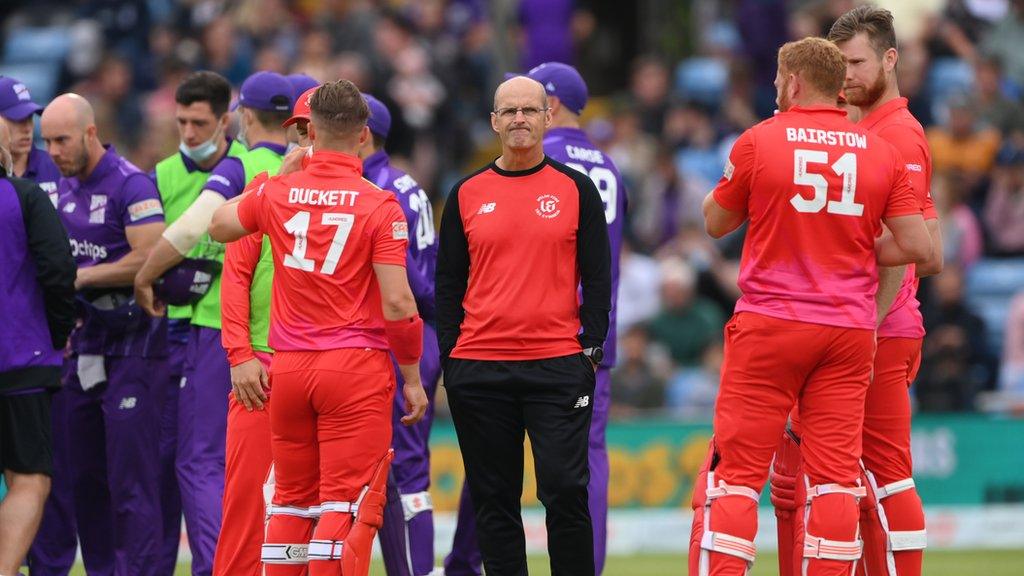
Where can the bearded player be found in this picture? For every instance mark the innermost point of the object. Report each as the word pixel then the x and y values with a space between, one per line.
pixel 815 189
pixel 892 517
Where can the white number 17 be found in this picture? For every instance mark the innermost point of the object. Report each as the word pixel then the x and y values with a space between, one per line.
pixel 298 226
pixel 846 167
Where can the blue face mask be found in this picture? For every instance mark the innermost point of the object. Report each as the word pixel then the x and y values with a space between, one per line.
pixel 202 152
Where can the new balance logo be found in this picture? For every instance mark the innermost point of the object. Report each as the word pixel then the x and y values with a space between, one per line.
pixel 127 403
pixel 487 208
pixel 582 402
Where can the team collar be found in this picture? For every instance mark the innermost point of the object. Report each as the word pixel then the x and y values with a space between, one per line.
pixel 331 163
pixel 882 111
pixel 106 164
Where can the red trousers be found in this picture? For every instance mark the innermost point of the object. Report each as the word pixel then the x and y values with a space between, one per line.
pixel 247 463
pixel 894 518
pixel 330 427
pixel 770 366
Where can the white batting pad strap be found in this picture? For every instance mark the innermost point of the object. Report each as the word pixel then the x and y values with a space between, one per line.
pixel 894 488
pixel 301 512
pixel 727 544
pixel 908 540
pixel 339 507
pixel 413 504
pixel 325 549
pixel 285 553
pixel 723 489
pixel 815 547
pixel 822 489
pixel 268 487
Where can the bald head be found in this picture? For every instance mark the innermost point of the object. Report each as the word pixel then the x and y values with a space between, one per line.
pixel 518 88
pixel 70 108
pixel 68 127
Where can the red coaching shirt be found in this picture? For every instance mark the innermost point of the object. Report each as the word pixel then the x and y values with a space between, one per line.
pixel 327 227
pixel 897 126
pixel 815 187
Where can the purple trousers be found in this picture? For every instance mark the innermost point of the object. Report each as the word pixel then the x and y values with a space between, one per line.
pixel 114 431
pixel 465 558
pixel 407 537
pixel 202 427
pixel 170 497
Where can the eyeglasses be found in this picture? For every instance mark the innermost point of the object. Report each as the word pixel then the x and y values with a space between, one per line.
pixel 528 111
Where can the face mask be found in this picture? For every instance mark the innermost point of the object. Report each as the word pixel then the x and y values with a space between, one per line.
pixel 202 152
pixel 241 133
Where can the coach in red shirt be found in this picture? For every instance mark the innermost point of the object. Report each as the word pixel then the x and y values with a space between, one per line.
pixel 518 238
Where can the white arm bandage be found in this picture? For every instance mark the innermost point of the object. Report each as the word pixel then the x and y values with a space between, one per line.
pixel 186 231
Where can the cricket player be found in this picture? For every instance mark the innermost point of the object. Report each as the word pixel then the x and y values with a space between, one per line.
pixel 245 324
pixel 408 533
pixel 892 517
pixel 340 300
pixel 113 216
pixel 570 145
pixel 55 543
pixel 816 189
pixel 265 101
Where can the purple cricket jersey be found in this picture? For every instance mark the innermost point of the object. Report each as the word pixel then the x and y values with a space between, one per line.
pixel 571 147
pixel 41 170
pixel 422 256
pixel 96 212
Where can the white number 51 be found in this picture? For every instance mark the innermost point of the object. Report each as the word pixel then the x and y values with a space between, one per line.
pixel 846 167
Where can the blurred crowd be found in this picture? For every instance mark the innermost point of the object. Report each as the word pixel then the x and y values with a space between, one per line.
pixel 666 108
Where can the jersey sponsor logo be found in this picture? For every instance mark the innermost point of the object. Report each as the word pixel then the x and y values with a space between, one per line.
pixel 547 206
pixel 399 230
pixel 70 207
pixel 314 197
pixel 915 168
pixel 97 209
pixel 145 209
pixel 584 154
pixel 86 248
pixel 827 137
pixel 582 402
pixel 404 184
pixel 487 208
pixel 128 403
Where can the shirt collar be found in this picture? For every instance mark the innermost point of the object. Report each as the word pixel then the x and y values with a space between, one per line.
pixel 279 149
pixel 334 164
pixel 33 163
pixel 375 163
pixel 563 132
pixel 819 109
pixel 105 165
pixel 878 114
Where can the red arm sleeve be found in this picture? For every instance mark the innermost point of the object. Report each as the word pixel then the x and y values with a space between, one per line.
pixel 240 259
pixel 733 188
pixel 913 148
pixel 252 206
pixel 390 234
pixel 903 200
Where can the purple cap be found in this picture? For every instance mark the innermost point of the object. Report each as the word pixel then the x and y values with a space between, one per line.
pixel 266 91
pixel 15 102
pixel 380 118
pixel 562 81
pixel 300 83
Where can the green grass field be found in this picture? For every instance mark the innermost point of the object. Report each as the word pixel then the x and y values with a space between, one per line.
pixel 966 563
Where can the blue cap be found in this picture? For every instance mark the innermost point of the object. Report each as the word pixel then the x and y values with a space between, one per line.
pixel 266 91
pixel 562 81
pixel 300 83
pixel 15 102
pixel 380 118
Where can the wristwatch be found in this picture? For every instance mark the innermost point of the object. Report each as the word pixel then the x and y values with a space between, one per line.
pixel 595 353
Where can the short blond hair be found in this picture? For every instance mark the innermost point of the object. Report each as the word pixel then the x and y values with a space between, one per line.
pixel 339 109
pixel 816 60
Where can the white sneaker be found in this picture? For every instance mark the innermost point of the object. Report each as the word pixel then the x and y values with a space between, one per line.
pixel 439 571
